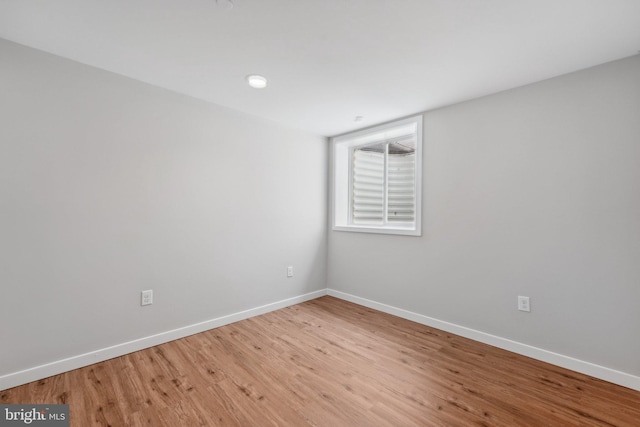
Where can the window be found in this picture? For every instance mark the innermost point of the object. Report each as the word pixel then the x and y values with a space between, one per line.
pixel 377 177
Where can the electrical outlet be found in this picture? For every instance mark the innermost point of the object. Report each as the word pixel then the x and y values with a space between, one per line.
pixel 290 271
pixel 524 304
pixel 146 297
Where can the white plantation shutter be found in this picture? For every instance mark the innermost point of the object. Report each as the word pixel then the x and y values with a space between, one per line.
pixel 369 195
pixel 368 187
pixel 401 194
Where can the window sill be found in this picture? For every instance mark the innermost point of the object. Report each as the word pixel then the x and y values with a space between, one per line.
pixel 400 231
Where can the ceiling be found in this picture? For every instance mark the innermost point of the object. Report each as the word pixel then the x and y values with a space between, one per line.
pixel 328 61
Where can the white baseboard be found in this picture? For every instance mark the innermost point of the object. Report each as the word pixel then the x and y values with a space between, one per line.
pixel 597 371
pixel 75 362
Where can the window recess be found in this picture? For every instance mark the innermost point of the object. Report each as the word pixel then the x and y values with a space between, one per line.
pixel 377 179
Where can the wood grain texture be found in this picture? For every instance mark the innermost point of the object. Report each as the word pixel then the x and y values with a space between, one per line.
pixel 328 362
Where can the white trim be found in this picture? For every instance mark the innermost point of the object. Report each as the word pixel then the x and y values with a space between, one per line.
pixel 597 371
pixel 43 371
pixel 368 229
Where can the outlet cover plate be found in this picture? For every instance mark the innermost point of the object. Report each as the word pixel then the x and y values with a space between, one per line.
pixel 524 304
pixel 146 297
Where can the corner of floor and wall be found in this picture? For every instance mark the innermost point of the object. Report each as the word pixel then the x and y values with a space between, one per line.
pixel 533 192
pixel 110 187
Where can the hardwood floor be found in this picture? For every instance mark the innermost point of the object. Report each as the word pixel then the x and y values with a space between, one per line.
pixel 328 362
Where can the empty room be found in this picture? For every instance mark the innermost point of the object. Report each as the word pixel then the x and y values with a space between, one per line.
pixel 320 213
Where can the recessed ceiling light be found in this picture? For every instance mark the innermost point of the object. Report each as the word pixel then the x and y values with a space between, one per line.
pixel 257 81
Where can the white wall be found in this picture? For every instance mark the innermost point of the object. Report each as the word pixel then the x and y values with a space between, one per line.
pixel 534 191
pixel 109 186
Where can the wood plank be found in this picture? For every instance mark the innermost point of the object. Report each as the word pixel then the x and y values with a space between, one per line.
pixel 329 362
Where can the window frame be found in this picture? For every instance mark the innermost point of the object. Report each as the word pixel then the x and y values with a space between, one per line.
pixel 342 148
